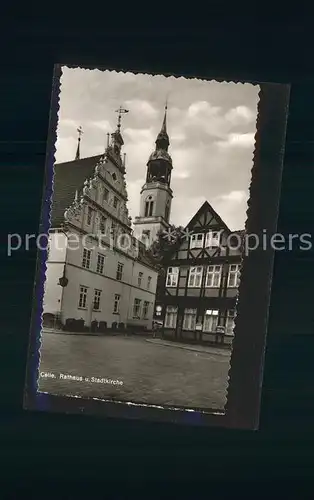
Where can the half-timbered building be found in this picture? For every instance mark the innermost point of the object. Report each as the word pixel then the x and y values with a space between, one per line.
pixel 200 281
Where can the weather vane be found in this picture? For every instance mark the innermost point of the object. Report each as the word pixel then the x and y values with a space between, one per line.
pixel 78 153
pixel 121 112
pixel 80 132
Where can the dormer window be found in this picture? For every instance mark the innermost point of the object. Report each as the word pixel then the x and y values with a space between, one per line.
pixel 114 176
pixel 197 240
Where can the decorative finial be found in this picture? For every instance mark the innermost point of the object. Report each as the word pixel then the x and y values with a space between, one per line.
pixel 108 139
pixel 80 132
pixel 164 123
pixel 120 112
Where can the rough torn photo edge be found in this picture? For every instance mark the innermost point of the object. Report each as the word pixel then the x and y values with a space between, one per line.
pixel 242 408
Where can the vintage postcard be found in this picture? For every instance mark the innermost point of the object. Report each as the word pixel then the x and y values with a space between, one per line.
pixel 154 252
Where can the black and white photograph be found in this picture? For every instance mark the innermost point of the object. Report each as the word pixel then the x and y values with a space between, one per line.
pixel 147 225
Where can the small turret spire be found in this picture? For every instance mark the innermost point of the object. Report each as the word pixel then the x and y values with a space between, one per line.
pixel 116 143
pixel 78 149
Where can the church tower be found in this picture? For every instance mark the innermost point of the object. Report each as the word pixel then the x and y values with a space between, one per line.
pixel 156 194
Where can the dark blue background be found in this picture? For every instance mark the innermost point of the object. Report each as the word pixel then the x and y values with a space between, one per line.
pixel 115 452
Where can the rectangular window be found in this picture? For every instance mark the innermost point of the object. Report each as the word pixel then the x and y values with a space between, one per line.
pixel 83 297
pixel 230 321
pixel 189 319
pixel 213 277
pixel 103 224
pixel 96 305
pixel 195 277
pixel 137 308
pixel 106 195
pixel 197 240
pixel 149 282
pixel 113 229
pixel 115 202
pixel 171 317
pixel 116 304
pixel 100 263
pixel 172 276
pixel 212 239
pixel 86 258
pixel 210 320
pixel 139 279
pixel 119 271
pixel 145 309
pixel 234 276
pixel 89 216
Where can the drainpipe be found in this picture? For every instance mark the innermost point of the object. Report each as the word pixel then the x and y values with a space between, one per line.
pixel 130 290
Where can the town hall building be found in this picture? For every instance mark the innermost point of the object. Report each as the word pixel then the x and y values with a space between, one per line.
pixel 97 271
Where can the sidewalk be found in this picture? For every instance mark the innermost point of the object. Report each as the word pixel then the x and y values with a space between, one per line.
pixel 62 332
pixel 198 348
pixel 111 333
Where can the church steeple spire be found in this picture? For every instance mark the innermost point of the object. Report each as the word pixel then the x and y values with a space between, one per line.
pixel 78 149
pixel 162 141
pixel 156 194
pixel 160 162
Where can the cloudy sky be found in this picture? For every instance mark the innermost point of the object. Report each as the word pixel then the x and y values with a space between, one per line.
pixel 211 127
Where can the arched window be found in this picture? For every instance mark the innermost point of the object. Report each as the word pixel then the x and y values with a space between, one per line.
pixel 167 210
pixel 149 206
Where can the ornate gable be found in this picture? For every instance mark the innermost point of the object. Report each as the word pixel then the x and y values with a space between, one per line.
pixel 105 176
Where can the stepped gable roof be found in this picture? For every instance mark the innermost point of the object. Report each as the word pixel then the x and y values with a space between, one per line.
pixel 68 178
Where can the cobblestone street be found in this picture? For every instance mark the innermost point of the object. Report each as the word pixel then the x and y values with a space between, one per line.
pixel 150 372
